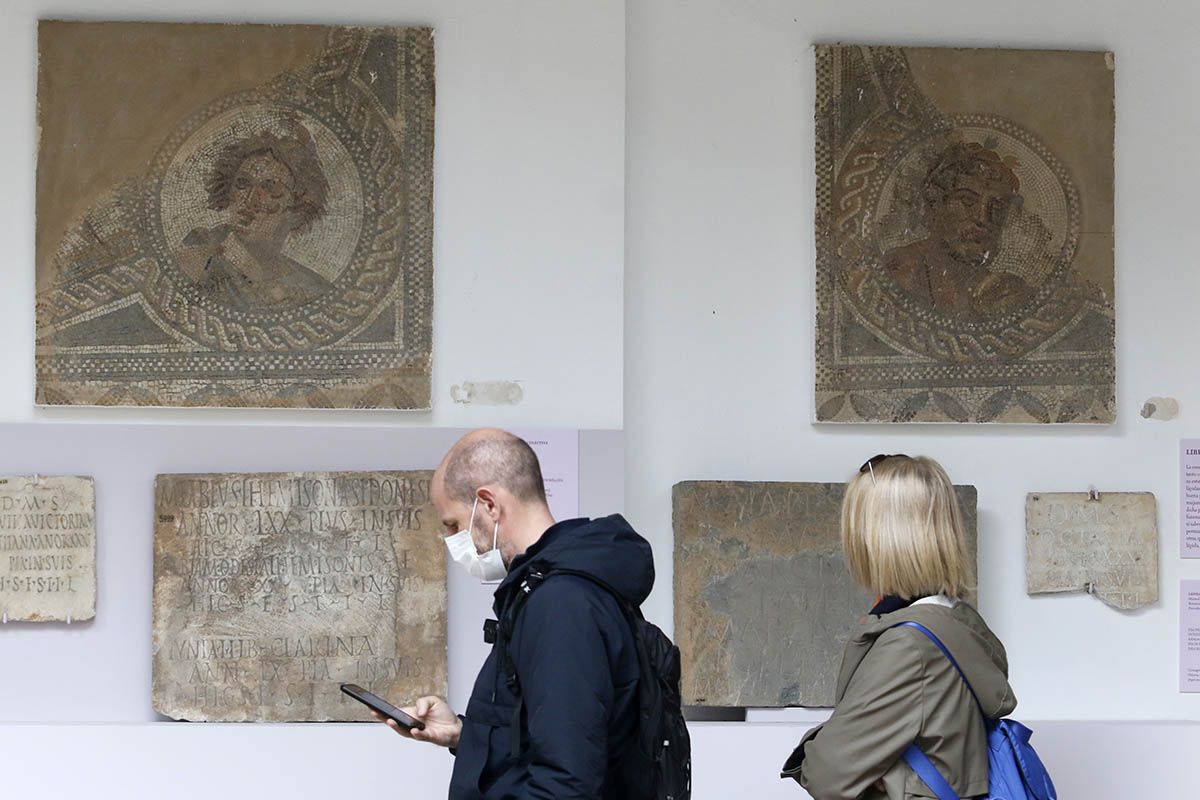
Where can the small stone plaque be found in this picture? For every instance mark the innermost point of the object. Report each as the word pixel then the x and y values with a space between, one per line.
pixel 1106 545
pixel 270 590
pixel 47 549
pixel 764 603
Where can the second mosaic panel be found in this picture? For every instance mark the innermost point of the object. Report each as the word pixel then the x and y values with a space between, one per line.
pixel 964 236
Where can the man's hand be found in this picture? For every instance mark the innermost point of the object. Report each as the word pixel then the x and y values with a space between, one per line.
pixel 442 725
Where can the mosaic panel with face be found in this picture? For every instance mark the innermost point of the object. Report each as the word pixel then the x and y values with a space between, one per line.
pixel 964 236
pixel 246 224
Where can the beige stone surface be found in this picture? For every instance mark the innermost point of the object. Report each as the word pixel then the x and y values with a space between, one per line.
pixel 271 589
pixel 1106 546
pixel 47 548
pixel 763 601
pixel 234 215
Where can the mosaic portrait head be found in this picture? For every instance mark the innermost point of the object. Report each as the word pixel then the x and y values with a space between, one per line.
pixel 968 193
pixel 272 184
pixel 967 197
pixel 954 280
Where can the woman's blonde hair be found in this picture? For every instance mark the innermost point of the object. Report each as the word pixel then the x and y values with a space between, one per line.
pixel 902 530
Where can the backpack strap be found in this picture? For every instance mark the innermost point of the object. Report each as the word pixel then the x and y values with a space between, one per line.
pixel 628 609
pixel 504 631
pixel 917 760
pixel 933 638
pixel 926 771
pixel 507 625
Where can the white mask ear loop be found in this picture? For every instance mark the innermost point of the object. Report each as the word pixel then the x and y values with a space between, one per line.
pixel 471 521
pixel 495 531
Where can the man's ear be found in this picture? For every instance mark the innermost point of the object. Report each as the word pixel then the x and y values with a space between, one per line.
pixel 488 502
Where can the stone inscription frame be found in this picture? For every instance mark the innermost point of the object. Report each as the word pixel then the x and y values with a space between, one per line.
pixel 47 548
pixel 271 589
pixel 764 603
pixel 1105 544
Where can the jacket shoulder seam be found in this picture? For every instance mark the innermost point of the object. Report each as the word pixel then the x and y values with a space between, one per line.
pixel 590 589
pixel 591 603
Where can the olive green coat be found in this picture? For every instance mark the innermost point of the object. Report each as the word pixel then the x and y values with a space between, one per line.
pixel 896 687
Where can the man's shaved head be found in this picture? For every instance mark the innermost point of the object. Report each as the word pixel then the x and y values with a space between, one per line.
pixel 492 457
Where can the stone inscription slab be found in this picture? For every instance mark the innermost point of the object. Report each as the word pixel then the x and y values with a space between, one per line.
pixel 47 549
pixel 1106 546
pixel 270 590
pixel 964 235
pixel 234 215
pixel 764 603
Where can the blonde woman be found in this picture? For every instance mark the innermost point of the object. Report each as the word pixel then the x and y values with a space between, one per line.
pixel 902 535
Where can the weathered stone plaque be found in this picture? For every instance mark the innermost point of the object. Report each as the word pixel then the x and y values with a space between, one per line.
pixel 964 235
pixel 764 603
pixel 1106 545
pixel 234 215
pixel 270 590
pixel 47 549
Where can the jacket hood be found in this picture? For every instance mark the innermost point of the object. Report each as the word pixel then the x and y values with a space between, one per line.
pixel 968 638
pixel 607 548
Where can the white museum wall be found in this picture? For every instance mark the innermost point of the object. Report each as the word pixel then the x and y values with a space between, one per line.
pixel 719 310
pixel 203 762
pixel 719 306
pixel 82 691
pixel 528 202
pixel 100 670
pixel 535 103
pixel 528 252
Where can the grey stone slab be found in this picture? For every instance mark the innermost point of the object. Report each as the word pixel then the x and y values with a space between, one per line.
pixel 1107 546
pixel 763 601
pixel 271 589
pixel 47 548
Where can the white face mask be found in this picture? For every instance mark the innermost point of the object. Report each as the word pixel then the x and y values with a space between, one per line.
pixel 488 567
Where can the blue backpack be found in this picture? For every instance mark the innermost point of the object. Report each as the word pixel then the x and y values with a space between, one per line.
pixel 1014 770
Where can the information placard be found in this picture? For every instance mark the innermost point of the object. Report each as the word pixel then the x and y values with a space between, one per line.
pixel 558 451
pixel 1189 636
pixel 1189 498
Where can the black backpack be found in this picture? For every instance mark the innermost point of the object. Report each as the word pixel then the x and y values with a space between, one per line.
pixel 660 765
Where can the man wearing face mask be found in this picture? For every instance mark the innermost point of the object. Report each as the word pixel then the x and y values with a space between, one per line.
pixel 565 728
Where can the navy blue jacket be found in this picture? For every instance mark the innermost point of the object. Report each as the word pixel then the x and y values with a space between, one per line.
pixel 577 662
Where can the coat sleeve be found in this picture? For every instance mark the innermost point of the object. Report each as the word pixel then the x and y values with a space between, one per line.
pixel 878 717
pixel 561 654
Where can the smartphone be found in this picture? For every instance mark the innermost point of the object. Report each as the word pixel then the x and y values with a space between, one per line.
pixel 382 706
